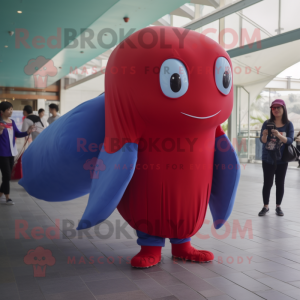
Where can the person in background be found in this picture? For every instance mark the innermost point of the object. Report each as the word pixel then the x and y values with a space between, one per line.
pixel 284 132
pixel 297 139
pixel 8 133
pixel 43 118
pixel 53 108
pixel 32 119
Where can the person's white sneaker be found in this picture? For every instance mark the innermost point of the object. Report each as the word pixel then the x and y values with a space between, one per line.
pixel 3 199
pixel 9 202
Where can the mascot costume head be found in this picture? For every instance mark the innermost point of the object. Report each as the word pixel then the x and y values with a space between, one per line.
pixel 164 156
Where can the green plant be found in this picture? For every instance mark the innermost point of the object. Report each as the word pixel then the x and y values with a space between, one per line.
pixel 259 97
pixel 225 126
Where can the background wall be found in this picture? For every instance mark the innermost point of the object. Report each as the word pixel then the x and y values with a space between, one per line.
pixel 76 95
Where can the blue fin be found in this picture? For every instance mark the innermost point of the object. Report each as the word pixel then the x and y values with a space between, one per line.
pixel 54 164
pixel 110 184
pixel 226 178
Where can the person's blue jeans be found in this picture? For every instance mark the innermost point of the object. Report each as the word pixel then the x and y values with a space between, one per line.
pixel 145 239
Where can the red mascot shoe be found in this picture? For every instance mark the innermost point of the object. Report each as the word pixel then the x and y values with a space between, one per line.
pixel 149 256
pixel 186 251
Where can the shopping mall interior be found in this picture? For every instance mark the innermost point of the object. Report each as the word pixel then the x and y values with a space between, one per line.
pixel 58 52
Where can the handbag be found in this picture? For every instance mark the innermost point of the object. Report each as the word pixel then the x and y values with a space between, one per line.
pixel 17 172
pixel 290 153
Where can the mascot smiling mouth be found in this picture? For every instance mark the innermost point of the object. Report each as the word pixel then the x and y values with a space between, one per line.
pixel 200 117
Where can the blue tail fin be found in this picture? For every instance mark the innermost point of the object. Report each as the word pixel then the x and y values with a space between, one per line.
pixel 108 186
pixel 57 166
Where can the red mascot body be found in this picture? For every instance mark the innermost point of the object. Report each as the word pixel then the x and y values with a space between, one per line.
pixel 165 156
pixel 168 194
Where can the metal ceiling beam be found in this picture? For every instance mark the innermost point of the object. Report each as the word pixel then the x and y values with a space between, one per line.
pixel 50 88
pixel 105 54
pixel 273 41
pixel 183 11
pixel 87 78
pixel 29 96
pixel 220 13
pixel 94 63
pixel 214 3
pixel 161 22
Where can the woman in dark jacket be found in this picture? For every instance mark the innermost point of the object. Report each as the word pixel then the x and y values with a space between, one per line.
pixel 283 134
pixel 8 133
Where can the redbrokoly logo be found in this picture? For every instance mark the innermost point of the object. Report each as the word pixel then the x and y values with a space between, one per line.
pixel 40 69
pixel 39 258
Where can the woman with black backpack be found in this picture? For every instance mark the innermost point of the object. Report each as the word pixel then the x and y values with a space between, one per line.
pixel 276 134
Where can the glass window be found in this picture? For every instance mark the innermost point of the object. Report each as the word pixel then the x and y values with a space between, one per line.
pixel 179 21
pixel 264 14
pixel 231 34
pixel 290 15
pixel 241 144
pixel 259 110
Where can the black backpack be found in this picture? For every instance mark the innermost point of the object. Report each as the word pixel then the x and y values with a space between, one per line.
pixel 35 119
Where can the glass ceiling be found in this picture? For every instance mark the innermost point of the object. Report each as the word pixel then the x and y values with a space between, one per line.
pixel 257 22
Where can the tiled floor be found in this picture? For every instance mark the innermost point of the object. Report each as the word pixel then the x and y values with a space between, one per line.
pixel 255 258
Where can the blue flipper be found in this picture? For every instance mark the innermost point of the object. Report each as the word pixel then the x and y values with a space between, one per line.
pixel 109 185
pixel 54 164
pixel 226 178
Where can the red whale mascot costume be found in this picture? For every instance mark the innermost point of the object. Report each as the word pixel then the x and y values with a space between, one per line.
pixel 167 90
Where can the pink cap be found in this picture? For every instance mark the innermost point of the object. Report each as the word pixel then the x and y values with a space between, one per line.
pixel 278 102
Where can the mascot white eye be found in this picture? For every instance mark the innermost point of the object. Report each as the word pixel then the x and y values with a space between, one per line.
pixel 173 78
pixel 223 75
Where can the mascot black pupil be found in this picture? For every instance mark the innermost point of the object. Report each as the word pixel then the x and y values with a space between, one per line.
pixel 226 79
pixel 175 83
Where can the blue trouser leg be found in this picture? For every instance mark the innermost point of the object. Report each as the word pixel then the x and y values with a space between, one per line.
pixel 145 239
